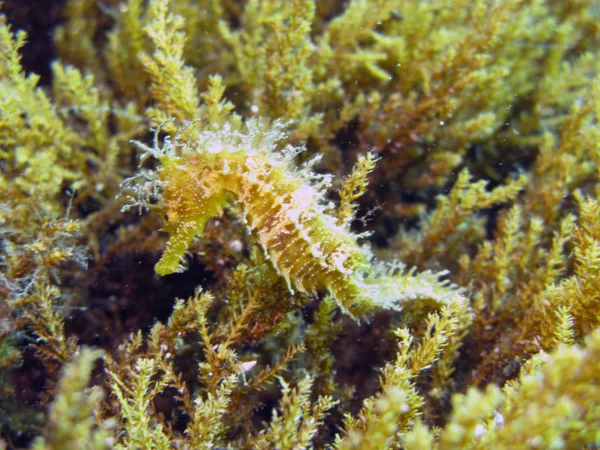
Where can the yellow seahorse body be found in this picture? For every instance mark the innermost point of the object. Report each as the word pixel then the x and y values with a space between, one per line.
pixel 285 208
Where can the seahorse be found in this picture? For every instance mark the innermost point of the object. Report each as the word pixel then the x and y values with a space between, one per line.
pixel 285 207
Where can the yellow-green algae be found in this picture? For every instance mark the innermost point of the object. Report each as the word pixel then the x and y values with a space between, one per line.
pixel 474 130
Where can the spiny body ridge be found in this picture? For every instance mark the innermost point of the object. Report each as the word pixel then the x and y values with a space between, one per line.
pixel 285 208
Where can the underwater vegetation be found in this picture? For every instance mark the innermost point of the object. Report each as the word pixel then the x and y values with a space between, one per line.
pixel 297 224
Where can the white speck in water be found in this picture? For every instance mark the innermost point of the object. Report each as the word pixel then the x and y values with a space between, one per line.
pixel 479 430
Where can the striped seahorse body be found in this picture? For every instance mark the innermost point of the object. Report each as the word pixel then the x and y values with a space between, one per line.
pixel 285 208
pixel 282 208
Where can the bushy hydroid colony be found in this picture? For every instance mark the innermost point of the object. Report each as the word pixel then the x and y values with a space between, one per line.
pixel 301 224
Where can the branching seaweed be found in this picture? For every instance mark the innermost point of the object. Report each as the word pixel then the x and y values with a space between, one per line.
pixel 469 129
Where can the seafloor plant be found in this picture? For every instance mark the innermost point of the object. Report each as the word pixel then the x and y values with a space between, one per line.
pixel 373 224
